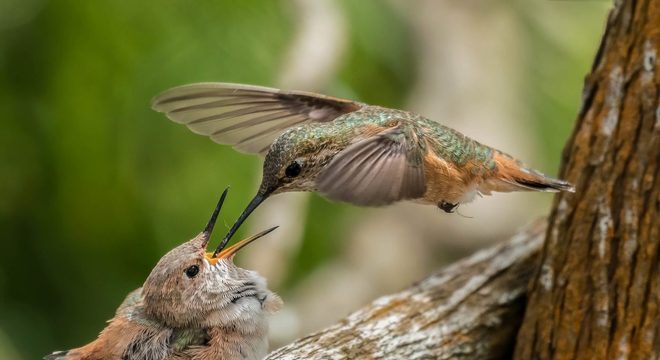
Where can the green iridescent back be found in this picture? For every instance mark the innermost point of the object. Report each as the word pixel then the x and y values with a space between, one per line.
pixel 447 143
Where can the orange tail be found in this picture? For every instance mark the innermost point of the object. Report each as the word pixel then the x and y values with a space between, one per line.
pixel 512 175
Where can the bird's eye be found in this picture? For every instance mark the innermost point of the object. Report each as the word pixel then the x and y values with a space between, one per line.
pixel 192 271
pixel 293 170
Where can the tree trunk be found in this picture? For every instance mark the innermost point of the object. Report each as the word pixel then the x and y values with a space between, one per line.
pixel 596 292
pixel 470 310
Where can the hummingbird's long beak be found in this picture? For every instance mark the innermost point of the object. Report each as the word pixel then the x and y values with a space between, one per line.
pixel 206 234
pixel 232 250
pixel 258 199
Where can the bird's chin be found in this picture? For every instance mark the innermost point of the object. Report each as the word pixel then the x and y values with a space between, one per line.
pixel 271 302
pixel 245 315
pixel 302 185
pixel 253 304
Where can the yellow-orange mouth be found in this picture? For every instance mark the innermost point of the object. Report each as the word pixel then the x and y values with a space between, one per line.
pixel 209 257
pixel 229 252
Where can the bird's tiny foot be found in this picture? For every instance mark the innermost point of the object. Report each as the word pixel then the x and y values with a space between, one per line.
pixel 447 206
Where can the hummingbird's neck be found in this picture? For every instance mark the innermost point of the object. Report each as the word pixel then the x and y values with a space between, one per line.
pixel 235 342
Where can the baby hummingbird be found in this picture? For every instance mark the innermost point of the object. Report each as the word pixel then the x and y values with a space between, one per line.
pixel 192 306
pixel 346 150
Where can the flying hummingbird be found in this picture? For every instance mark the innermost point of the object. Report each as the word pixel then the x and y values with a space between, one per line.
pixel 346 150
pixel 192 306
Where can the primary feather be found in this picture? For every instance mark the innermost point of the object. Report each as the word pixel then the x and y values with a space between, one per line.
pixel 246 117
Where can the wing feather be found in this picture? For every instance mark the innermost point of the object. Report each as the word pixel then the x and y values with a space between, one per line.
pixel 245 116
pixel 375 171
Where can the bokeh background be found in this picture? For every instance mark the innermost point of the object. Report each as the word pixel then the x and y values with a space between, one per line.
pixel 95 187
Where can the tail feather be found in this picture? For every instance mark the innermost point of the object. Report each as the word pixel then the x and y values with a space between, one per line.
pixel 512 175
pixel 545 183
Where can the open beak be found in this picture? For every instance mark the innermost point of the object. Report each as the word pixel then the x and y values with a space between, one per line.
pixel 229 252
pixel 206 234
pixel 258 199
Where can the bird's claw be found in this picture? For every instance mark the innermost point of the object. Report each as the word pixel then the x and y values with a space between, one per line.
pixel 447 207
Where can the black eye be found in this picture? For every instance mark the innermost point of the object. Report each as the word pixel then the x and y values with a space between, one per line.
pixel 292 170
pixel 192 271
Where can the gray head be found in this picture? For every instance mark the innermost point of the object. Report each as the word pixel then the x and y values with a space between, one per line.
pixel 294 160
pixel 191 288
pixel 291 164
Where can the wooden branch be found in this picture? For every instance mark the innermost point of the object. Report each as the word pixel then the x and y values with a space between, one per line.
pixel 596 294
pixel 469 310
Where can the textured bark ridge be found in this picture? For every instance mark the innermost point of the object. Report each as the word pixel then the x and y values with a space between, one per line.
pixel 597 291
pixel 470 310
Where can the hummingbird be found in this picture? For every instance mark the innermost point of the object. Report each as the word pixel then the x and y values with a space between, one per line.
pixel 192 306
pixel 346 150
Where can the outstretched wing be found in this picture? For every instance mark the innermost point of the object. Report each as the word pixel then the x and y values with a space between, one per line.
pixel 376 171
pixel 246 117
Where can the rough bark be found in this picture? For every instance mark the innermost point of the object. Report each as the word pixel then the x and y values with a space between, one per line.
pixel 596 292
pixel 470 310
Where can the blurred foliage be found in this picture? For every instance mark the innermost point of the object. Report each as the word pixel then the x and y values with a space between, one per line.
pixel 557 63
pixel 379 57
pixel 96 187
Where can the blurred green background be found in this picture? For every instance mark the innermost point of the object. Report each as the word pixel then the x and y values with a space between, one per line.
pixel 96 187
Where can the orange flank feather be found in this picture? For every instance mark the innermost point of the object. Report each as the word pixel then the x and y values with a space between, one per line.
pixel 446 182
